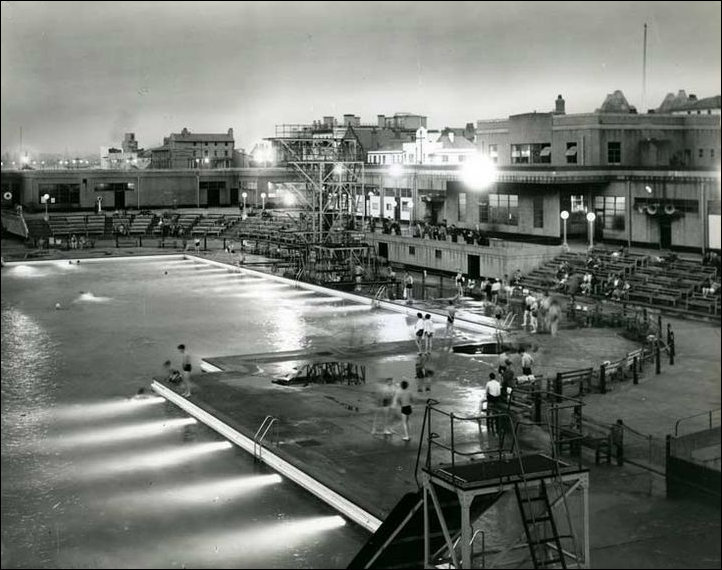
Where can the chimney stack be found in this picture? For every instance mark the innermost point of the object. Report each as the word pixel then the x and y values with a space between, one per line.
pixel 381 120
pixel 560 106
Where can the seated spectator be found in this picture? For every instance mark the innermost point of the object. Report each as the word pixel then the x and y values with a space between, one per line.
pixel 170 374
pixel 710 288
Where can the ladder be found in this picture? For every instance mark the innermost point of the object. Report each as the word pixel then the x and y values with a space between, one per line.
pixel 537 514
pixel 261 434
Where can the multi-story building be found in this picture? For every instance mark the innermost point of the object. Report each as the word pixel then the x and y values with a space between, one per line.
pixel 449 146
pixel 194 150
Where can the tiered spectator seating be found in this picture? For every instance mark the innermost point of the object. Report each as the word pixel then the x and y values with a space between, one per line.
pixel 59 226
pixel 141 224
pixel 212 224
pixel 186 223
pixel 121 223
pixel 95 224
pixel 76 223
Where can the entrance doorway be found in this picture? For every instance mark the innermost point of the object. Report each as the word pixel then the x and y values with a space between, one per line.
pixel 384 250
pixel 119 200
pixel 665 232
pixel 214 197
pixel 473 266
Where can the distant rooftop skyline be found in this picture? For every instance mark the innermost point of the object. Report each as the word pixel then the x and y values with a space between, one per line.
pixel 77 76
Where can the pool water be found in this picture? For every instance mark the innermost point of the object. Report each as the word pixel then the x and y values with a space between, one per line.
pixel 91 478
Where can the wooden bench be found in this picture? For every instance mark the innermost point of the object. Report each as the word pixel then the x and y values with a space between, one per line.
pixel 581 377
pixel 589 437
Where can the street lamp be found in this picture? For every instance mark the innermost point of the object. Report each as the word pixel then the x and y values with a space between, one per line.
pixel 244 196
pixel 263 200
pixel 45 199
pixel 565 216
pixel 590 218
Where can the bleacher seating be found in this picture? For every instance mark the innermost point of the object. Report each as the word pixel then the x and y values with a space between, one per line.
pixel 95 224
pixel 675 283
pixel 141 224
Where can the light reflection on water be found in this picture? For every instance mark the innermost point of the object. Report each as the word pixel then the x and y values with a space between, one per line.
pixel 66 374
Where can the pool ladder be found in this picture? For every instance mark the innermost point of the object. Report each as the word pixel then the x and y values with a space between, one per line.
pixel 261 432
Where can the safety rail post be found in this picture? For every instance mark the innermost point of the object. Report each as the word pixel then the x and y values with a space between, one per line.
pixel 536 397
pixel 453 462
pixel 558 387
pixel 635 372
pixel 603 378
pixel 657 358
pixel 670 345
pixel 140 240
pixel 618 441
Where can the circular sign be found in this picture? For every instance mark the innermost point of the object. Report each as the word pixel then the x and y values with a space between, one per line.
pixel 8 196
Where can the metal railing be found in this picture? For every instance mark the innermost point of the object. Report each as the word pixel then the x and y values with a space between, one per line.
pixel 713 419
pixel 260 434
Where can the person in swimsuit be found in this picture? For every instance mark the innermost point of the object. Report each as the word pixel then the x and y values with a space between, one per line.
pixel 402 398
pixel 385 397
pixel 186 369
pixel 450 320
pixel 459 284
pixel 428 332
pixel 419 331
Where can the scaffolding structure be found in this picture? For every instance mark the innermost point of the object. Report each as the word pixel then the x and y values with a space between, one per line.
pixel 329 184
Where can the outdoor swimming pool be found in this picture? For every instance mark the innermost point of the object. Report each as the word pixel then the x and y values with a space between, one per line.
pixel 90 479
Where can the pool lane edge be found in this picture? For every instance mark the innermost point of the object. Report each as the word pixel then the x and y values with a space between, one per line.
pixel 332 498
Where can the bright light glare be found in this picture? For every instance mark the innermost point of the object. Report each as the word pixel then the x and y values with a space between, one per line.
pixel 105 409
pixel 213 492
pixel 143 430
pixel 478 173
pixel 396 170
pixel 591 217
pixel 564 215
pixel 288 199
pixel 154 459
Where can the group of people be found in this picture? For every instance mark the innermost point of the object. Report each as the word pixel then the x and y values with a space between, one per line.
pixel 390 398
pixel 545 311
pixel 76 242
pixel 180 377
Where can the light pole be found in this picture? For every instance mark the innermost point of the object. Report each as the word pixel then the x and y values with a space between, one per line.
pixel 244 196
pixel 590 218
pixel 198 182
pixel 565 216
pixel 263 201
pixel 45 199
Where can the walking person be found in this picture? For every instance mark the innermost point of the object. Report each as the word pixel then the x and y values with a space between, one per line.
pixel 408 288
pixel 528 302
pixel 419 332
pixel 186 369
pixel 526 362
pixel 450 317
pixel 384 398
pixel 533 315
pixel 428 332
pixel 423 378
pixel 402 398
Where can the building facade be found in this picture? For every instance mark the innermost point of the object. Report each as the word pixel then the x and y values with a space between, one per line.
pixel 194 151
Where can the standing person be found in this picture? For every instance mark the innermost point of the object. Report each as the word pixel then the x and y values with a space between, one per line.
pixel 528 302
pixel 384 398
pixel 450 317
pixel 186 369
pixel 533 315
pixel 459 284
pixel 402 398
pixel 73 242
pixel 526 362
pixel 428 332
pixel 419 331
pixel 492 393
pixel 495 290
pixel 508 380
pixel 555 315
pixel 197 244
pixel 408 288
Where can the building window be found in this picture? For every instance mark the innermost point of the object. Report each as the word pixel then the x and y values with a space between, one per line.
pixel 711 153
pixel 445 158
pixel 538 206
pixel 701 153
pixel 483 210
pixel 412 250
pixel 195 143
pixel 437 253
pixel 504 209
pixel 60 194
pixel 571 153
pixel 614 153
pixel 531 153
pixel 577 203
pixel 205 152
pixel 225 153
pixel 461 158
pixel 462 207
pixel 494 153
pixel 613 211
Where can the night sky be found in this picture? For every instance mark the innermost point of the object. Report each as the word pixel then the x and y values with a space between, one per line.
pixel 76 76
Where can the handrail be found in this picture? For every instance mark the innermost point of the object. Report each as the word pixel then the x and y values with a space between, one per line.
pixel 708 413
pixel 261 432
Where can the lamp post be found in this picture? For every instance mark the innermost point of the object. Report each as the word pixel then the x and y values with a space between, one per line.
pixel 198 182
pixel 590 218
pixel 263 201
pixel 244 196
pixel 565 216
pixel 45 199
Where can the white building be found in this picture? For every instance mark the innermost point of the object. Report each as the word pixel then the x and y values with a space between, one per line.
pixel 429 147
pixel 115 159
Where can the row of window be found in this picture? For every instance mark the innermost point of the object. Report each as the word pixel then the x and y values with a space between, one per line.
pixel 499 209
pixel 195 143
pixel 215 153
pixel 611 210
pixel 60 194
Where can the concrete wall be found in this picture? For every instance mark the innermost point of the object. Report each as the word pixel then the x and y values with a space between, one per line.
pixel 496 260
